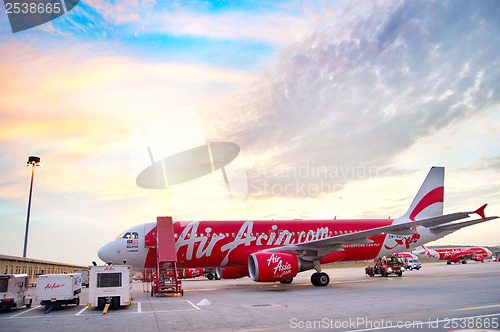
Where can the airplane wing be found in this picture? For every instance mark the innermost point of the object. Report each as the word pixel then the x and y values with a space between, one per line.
pixel 320 248
pixel 456 226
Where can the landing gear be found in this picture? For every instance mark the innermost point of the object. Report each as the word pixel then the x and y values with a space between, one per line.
pixel 320 279
pixel 286 281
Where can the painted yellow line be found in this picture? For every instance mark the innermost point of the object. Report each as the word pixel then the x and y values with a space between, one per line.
pixel 474 308
pixel 452 310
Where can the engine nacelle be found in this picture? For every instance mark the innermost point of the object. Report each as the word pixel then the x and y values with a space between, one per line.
pixel 270 266
pixel 190 273
pixel 231 272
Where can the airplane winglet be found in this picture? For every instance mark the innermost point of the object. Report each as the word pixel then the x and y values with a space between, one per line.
pixel 480 211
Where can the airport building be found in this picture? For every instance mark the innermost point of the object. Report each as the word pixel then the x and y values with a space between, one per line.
pixel 34 267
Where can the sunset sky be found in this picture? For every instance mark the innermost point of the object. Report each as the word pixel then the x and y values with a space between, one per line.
pixel 339 108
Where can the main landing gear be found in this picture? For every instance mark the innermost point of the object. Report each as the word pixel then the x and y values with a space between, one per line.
pixel 319 278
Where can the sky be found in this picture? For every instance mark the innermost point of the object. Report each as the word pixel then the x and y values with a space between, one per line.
pixel 338 109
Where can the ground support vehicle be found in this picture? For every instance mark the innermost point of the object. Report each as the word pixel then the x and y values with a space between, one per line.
pixel 13 289
pixel 385 266
pixel 411 261
pixel 110 286
pixel 85 277
pixel 56 290
pixel 412 264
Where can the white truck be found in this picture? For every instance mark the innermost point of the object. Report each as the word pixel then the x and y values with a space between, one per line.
pixel 55 290
pixel 85 277
pixel 110 284
pixel 13 289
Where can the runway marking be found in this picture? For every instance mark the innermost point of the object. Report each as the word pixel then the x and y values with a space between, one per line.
pixel 194 305
pixel 139 307
pixel 201 289
pixel 19 314
pixel 80 312
pixel 445 320
pixel 450 310
pixel 474 308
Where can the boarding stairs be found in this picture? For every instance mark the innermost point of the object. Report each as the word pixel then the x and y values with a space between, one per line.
pixel 166 281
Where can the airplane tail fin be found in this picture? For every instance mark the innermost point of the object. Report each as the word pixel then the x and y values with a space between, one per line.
pixel 419 250
pixel 429 200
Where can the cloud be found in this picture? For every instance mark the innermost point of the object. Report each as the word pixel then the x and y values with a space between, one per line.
pixel 197 20
pixel 364 88
pixel 273 27
pixel 77 112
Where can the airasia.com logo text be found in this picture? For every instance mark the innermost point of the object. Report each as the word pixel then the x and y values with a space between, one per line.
pixel 283 268
pixel 49 286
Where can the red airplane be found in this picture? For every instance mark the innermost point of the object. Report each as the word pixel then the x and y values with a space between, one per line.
pixel 276 250
pixel 455 255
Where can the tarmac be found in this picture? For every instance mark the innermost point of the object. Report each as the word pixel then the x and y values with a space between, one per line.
pixel 438 297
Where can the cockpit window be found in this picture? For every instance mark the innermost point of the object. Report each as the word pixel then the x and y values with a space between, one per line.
pixel 128 235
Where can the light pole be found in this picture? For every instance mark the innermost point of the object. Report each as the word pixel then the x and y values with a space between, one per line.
pixel 33 161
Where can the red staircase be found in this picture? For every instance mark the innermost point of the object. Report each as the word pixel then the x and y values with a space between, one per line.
pixel 166 280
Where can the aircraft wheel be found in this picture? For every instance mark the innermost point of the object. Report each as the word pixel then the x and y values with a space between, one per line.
pixel 101 302
pixel 115 303
pixel 286 281
pixel 210 276
pixel 314 279
pixel 448 262
pixel 320 279
pixel 464 262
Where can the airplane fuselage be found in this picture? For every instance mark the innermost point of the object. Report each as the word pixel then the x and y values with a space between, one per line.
pixel 229 243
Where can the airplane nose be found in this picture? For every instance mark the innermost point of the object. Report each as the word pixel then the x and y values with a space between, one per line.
pixel 104 253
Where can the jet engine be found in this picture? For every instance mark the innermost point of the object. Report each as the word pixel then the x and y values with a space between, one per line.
pixel 270 266
pixel 190 273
